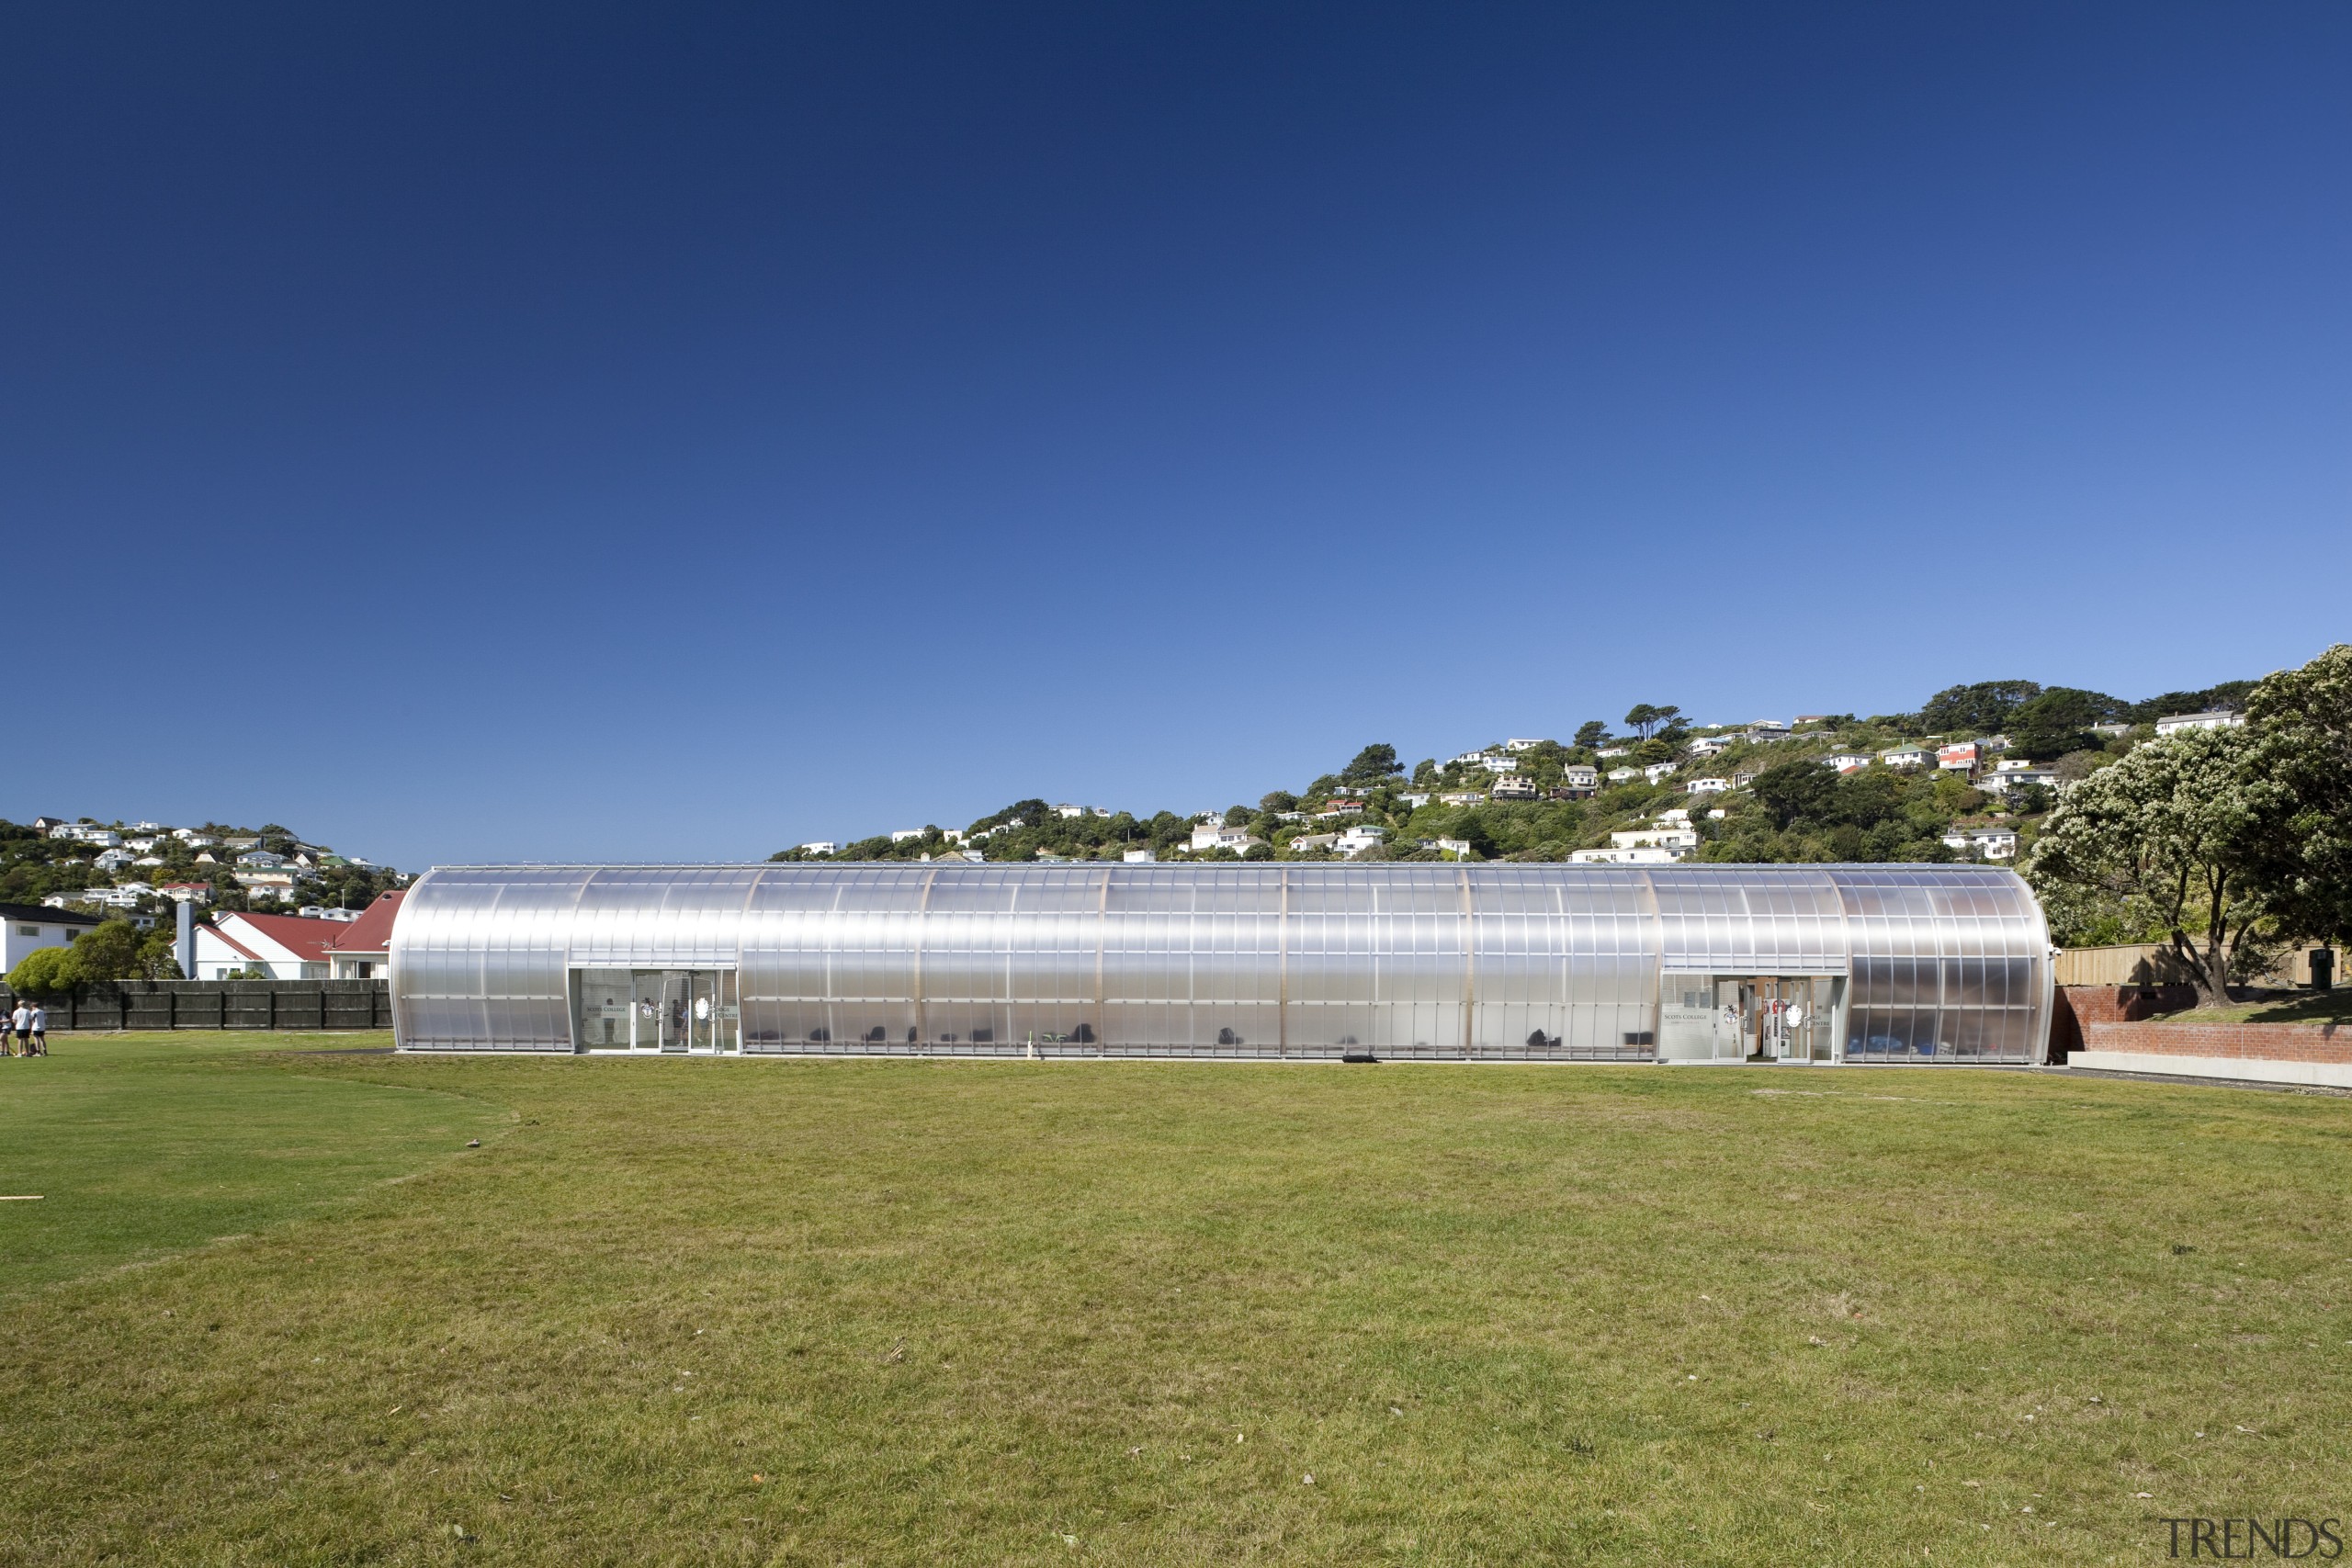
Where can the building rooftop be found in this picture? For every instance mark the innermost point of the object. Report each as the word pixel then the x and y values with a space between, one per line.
pixel 48 913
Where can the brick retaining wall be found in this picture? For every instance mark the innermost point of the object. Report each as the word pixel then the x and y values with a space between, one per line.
pixel 2076 1008
pixel 2270 1042
pixel 2310 1053
pixel 2126 1004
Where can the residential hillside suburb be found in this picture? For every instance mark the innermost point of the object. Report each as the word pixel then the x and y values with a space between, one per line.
pixel 265 904
pixel 1971 776
pixel 2187 848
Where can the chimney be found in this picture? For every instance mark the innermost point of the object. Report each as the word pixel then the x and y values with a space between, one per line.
pixel 186 951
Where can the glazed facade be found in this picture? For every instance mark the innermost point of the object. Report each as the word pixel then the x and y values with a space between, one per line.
pixel 1916 963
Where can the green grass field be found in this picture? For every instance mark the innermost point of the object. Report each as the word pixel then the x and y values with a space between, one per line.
pixel 271 1310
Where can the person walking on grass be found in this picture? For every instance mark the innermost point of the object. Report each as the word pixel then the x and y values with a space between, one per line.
pixel 20 1026
pixel 40 1032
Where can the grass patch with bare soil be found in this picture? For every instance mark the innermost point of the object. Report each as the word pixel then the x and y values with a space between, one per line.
pixel 744 1311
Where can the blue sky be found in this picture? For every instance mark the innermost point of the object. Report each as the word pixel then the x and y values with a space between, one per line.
pixel 596 432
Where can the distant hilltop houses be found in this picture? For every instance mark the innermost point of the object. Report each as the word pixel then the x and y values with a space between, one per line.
pixel 142 871
pixel 1969 776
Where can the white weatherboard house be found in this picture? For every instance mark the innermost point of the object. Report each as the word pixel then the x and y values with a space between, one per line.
pixel 281 947
pixel 1663 835
pixel 364 949
pixel 2000 782
pixel 1636 854
pixel 1988 843
pixel 31 927
pixel 2213 718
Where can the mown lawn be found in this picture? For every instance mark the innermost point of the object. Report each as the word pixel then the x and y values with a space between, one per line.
pixel 714 1312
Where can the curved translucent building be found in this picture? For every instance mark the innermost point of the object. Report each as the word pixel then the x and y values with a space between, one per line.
pixel 1936 963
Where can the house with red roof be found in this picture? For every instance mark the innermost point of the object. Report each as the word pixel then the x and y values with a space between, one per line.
pixel 265 947
pixel 364 951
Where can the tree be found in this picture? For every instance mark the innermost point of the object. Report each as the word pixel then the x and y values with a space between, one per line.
pixel 157 958
pixel 108 952
pixel 1470 829
pixel 2302 725
pixel 1278 800
pixel 2059 721
pixel 1240 816
pixel 2175 828
pixel 1792 791
pixel 1592 735
pixel 1983 709
pixel 2228 694
pixel 1645 719
pixel 1372 765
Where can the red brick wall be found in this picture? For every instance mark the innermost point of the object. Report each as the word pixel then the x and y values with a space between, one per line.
pixel 2272 1041
pixel 2126 1004
pixel 2076 1007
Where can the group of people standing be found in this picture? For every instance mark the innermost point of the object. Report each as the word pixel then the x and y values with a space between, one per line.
pixel 27 1031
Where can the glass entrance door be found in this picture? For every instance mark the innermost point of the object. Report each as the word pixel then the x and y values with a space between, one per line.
pixel 1750 1018
pixel 1786 1019
pixel 656 1011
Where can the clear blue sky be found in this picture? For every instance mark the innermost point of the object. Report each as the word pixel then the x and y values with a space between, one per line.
pixel 641 432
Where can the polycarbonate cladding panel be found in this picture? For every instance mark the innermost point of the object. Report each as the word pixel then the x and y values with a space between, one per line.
pixel 478 960
pixel 1545 961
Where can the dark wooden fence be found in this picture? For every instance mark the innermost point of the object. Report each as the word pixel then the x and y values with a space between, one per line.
pixel 219 1004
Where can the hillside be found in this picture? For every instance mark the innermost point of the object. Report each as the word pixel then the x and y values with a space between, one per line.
pixel 1780 804
pixel 124 874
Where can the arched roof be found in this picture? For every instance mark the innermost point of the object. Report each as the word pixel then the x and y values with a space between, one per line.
pixel 481 954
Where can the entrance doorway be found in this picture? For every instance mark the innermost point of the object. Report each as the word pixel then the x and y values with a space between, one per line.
pixel 1750 1018
pixel 674 1012
pixel 1780 1019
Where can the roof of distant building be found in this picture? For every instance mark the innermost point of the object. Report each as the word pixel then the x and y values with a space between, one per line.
pixel 48 912
pixel 372 931
pixel 307 939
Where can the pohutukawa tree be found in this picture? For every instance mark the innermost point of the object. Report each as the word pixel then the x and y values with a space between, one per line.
pixel 2302 725
pixel 2183 827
